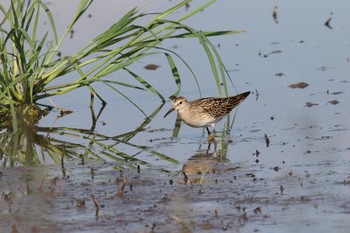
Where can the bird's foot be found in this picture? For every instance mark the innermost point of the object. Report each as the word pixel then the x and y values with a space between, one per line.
pixel 211 137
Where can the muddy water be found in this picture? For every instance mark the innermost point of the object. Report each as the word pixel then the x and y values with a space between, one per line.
pixel 298 182
pixel 232 197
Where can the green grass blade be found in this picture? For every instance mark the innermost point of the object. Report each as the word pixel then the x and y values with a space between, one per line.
pixel 13 113
pixel 127 98
pixel 145 84
pixel 176 75
pixel 188 67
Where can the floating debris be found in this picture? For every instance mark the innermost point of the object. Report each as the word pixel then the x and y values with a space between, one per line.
pixel 300 85
pixel 324 68
pixel 280 74
pixel 138 169
pixel 309 104
pixel 334 102
pixel 272 52
pixel 275 14
pixel 96 204
pixel 80 203
pixel 337 93
pixel 151 67
pixel 267 140
pixel 92 173
pixel 257 210
pixel 257 153
pixel 71 33
pixel 256 94
pixel 327 23
pixel 187 6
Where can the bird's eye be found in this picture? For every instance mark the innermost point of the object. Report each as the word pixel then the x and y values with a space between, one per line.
pixel 180 102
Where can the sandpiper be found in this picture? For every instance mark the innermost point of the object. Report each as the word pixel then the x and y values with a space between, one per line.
pixel 205 112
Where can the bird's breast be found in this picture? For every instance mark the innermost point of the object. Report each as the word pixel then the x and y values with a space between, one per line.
pixel 196 119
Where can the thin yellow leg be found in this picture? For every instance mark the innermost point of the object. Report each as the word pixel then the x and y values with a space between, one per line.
pixel 212 136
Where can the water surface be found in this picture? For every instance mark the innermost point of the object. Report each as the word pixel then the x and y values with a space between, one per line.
pixel 300 182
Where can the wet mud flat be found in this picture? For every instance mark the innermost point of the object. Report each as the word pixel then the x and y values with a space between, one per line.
pixel 100 197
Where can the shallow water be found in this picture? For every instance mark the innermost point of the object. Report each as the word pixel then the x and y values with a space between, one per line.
pixel 300 182
pixel 234 197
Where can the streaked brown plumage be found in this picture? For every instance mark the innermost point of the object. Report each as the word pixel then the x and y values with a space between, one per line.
pixel 205 112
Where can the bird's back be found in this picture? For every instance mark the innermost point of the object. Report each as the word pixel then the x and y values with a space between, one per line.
pixel 218 107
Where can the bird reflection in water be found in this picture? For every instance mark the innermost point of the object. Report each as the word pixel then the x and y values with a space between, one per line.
pixel 202 163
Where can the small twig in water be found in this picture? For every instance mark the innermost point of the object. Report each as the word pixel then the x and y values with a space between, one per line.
pixel 96 204
pixel 267 140
pixel 138 169
pixel 327 23
pixel 92 172
pixel 275 14
pixel 63 111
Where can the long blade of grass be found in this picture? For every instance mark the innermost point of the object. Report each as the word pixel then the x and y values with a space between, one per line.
pixel 145 84
pixel 126 97
pixel 196 10
pixel 169 11
pixel 186 64
pixel 13 113
pixel 83 6
pixel 206 34
pixel 175 75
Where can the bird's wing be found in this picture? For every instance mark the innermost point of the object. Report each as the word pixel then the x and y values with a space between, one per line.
pixel 212 106
pixel 218 107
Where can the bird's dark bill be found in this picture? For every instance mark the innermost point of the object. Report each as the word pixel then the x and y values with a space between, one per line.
pixel 170 111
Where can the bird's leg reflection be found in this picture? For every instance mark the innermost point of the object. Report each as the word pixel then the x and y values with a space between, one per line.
pixel 201 163
pixel 209 145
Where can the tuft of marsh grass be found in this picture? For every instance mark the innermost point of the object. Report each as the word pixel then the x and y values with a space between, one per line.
pixel 30 70
pixel 29 63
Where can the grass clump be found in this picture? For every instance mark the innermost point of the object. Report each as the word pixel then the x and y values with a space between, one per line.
pixel 31 68
pixel 30 65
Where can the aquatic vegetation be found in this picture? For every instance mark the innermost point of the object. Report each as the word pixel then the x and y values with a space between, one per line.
pixel 33 69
